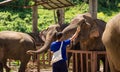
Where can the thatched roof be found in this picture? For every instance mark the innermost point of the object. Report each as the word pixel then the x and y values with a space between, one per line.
pixel 47 4
pixel 54 4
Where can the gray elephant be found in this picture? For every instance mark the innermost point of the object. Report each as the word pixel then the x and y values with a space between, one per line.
pixel 91 30
pixel 90 35
pixel 13 45
pixel 48 36
pixel 111 40
pixel 37 38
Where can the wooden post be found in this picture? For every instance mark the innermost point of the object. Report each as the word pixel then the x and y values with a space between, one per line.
pixel 34 18
pixel 93 8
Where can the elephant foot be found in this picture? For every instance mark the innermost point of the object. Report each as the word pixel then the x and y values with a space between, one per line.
pixel 1 70
pixel 7 69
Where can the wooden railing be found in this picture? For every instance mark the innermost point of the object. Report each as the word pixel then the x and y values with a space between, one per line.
pixel 81 61
pixel 86 61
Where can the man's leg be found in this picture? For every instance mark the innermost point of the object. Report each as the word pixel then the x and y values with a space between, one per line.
pixel 55 67
pixel 63 66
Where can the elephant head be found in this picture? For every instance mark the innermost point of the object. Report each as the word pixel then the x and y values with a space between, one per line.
pixel 89 36
pixel 48 36
pixel 53 28
pixel 89 30
pixel 38 40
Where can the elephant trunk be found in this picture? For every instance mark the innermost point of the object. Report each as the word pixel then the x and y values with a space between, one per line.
pixel 44 48
pixel 69 31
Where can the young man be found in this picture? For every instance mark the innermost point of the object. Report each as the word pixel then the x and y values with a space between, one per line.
pixel 59 45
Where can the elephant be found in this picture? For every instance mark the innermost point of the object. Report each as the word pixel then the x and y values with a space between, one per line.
pixel 13 45
pixel 111 40
pixel 90 34
pixel 48 36
pixel 91 30
pixel 37 38
pixel 89 38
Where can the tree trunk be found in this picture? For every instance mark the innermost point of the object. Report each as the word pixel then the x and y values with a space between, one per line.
pixel 93 8
pixel 60 16
pixel 35 19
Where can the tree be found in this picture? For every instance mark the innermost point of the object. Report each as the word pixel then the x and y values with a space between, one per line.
pixel 93 8
pixel 60 15
pixel 34 18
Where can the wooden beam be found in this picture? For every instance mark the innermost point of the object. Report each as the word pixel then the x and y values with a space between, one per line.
pixel 4 2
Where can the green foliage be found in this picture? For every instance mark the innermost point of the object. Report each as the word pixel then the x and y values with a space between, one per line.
pixel 108 3
pixel 16 5
pixel 15 21
pixel 45 18
pixel 73 11
pixel 20 19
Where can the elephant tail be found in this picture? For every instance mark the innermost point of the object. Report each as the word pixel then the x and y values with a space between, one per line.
pixel 34 57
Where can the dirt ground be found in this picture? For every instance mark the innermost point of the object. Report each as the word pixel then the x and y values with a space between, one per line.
pixel 15 69
pixel 41 70
pixel 33 68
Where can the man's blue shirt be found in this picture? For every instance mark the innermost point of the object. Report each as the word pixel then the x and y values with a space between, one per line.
pixel 56 45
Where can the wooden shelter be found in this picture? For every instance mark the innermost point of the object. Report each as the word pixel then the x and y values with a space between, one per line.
pixel 54 4
pixel 50 4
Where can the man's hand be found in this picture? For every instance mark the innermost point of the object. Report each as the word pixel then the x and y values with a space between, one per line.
pixel 30 52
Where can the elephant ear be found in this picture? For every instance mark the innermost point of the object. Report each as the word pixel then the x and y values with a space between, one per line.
pixel 94 34
pixel 88 19
pixel 58 28
pixel 42 36
pixel 94 31
pixel 77 19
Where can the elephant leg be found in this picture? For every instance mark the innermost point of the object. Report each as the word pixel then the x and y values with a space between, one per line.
pixel 73 47
pixel 99 57
pixel 24 62
pixel 5 65
pixel 111 65
pixel 69 56
pixel 1 67
pixel 74 66
pixel 22 66
pixel 98 64
pixel 104 67
pixel 108 67
pixel 78 63
pixel 1 59
pixel 103 59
